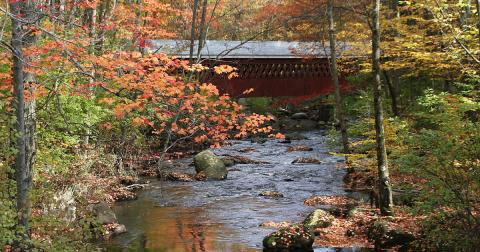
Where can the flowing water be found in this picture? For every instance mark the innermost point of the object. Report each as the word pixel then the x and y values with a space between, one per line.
pixel 225 215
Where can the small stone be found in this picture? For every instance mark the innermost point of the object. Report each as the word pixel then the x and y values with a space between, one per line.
pixel 258 140
pixel 119 229
pixel 177 176
pixel 299 148
pixel 228 161
pixel 299 116
pixel 271 194
pixel 245 150
pixel 201 176
pixel 306 160
pixel 295 136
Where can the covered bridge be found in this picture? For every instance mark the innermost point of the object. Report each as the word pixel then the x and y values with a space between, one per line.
pixel 271 68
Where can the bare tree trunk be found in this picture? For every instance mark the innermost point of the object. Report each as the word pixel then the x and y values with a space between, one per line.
pixel 385 190
pixel 334 73
pixel 202 30
pixel 478 17
pixel 21 170
pixel 465 13
pixel 393 94
pixel 192 32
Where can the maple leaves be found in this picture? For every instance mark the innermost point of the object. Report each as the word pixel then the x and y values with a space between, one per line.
pixel 154 94
pixel 229 71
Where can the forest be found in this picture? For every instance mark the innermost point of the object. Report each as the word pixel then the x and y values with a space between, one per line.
pixel 279 125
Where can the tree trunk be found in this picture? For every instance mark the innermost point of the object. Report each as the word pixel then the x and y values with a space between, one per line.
pixel 385 190
pixel 478 18
pixel 465 13
pixel 393 94
pixel 334 73
pixel 21 170
pixel 202 30
pixel 192 32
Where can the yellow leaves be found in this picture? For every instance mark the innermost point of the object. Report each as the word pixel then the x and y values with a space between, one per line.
pixel 195 68
pixel 225 69
pixel 137 121
pixel 248 91
pixel 136 55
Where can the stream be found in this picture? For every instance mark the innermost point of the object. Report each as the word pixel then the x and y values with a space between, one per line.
pixel 219 216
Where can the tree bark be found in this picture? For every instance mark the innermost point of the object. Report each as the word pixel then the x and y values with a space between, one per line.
pixel 393 94
pixel 192 32
pixel 202 30
pixel 478 18
pixel 21 171
pixel 385 190
pixel 465 13
pixel 334 73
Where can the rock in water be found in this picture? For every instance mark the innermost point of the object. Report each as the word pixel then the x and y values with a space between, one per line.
pixel 291 238
pixel 306 160
pixel 176 176
pixel 295 136
pixel 103 213
pixel 298 116
pixel 210 164
pixel 271 194
pixel 306 125
pixel 299 148
pixel 318 219
pixel 119 229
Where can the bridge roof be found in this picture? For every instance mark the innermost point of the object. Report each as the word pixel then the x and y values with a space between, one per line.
pixel 217 49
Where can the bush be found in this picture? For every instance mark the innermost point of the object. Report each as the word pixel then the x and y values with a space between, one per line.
pixel 447 157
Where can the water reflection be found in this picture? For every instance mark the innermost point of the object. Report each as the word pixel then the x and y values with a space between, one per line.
pixel 172 229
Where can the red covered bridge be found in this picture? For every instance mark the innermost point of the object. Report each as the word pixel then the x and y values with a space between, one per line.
pixel 270 68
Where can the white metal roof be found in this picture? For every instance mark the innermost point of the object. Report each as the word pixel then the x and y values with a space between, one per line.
pixel 239 49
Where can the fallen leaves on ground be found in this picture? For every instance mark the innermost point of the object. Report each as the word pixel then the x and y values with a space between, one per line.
pixel 328 200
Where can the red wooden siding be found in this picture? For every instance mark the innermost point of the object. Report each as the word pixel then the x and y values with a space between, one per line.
pixel 275 78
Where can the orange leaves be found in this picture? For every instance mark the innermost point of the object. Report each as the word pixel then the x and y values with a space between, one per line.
pixel 279 136
pixel 141 121
pixel 223 69
pixel 159 98
pixel 226 69
pixel 253 124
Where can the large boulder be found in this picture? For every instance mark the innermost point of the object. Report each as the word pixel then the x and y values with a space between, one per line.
pixel 210 164
pixel 318 219
pixel 291 238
